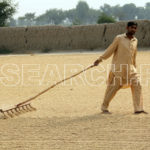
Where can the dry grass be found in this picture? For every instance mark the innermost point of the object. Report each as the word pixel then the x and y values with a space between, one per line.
pixel 68 117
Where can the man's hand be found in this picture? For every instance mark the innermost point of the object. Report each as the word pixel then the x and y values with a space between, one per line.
pixel 97 62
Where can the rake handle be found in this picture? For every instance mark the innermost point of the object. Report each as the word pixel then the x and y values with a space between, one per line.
pixel 52 86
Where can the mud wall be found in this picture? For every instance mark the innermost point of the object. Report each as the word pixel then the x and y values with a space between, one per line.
pixel 40 38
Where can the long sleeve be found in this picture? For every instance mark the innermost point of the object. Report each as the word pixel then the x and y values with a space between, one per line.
pixel 111 49
pixel 134 58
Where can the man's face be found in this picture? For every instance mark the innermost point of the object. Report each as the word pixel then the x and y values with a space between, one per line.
pixel 132 29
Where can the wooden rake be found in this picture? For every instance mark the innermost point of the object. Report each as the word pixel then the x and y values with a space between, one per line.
pixel 25 106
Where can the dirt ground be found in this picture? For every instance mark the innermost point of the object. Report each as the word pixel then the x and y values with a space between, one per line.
pixel 68 117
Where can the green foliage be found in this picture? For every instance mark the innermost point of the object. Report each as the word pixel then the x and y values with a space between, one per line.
pixel 27 20
pixel 4 50
pixel 129 11
pixel 103 18
pixel 83 15
pixel 106 9
pixel 147 10
pixel 21 21
pixel 52 16
pixel 11 22
pixel 7 9
pixel 46 50
pixel 76 22
pixel 82 11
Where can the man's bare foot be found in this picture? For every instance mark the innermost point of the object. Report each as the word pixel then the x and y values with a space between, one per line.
pixel 105 112
pixel 141 112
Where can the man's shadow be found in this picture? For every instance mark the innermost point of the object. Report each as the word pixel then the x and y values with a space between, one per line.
pixel 98 117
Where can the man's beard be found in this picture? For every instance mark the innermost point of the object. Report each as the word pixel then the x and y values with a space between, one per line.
pixel 131 33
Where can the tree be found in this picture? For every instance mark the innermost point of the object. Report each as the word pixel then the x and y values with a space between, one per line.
pixel 130 11
pixel 21 21
pixel 117 12
pixel 82 12
pixel 147 11
pixel 147 5
pixel 76 22
pixel 55 16
pixel 83 15
pixel 141 13
pixel 71 14
pixel 103 18
pixel 7 9
pixel 52 16
pixel 29 18
pixel 93 16
pixel 11 22
pixel 106 9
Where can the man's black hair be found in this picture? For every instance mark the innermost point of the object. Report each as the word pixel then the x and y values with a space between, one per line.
pixel 131 23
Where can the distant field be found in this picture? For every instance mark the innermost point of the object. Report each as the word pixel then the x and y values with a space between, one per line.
pixel 68 117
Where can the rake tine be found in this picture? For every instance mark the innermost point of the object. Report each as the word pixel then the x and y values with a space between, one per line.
pixel 4 116
pixel 16 109
pixel 9 114
pixel 20 109
pixel 15 112
pixel 24 108
pixel 31 107
pixel 27 108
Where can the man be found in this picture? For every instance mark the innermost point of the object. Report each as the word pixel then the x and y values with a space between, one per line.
pixel 123 71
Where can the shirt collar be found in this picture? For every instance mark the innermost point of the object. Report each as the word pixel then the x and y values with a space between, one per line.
pixel 133 39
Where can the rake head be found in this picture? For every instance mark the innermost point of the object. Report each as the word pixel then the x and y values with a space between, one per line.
pixel 16 111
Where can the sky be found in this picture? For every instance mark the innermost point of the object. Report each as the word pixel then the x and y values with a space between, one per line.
pixel 40 6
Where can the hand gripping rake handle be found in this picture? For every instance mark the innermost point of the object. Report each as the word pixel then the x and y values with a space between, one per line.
pixel 52 86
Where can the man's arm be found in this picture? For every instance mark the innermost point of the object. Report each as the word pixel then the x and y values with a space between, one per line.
pixel 134 58
pixel 108 52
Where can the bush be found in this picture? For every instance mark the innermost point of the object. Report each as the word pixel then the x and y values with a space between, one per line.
pixel 46 50
pixel 4 50
pixel 76 22
pixel 103 18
